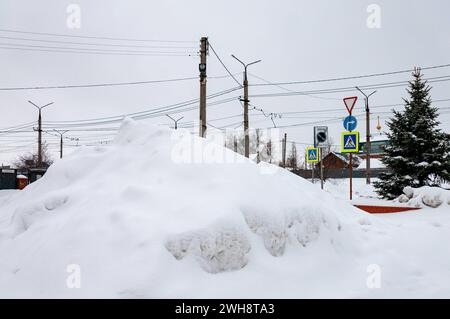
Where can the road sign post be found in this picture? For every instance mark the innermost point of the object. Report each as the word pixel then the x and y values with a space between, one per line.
pixel 321 141
pixel 312 156
pixel 350 140
pixel 321 168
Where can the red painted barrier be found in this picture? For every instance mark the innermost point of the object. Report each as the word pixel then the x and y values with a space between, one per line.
pixel 384 209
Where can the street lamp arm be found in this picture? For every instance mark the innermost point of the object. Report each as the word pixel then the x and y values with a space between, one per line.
pixel 238 60
pixel 254 62
pixel 33 104
pixel 47 105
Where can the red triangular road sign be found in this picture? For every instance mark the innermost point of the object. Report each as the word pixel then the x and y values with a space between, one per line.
pixel 350 103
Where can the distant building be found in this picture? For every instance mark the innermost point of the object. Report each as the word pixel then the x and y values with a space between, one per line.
pixel 338 161
pixel 378 144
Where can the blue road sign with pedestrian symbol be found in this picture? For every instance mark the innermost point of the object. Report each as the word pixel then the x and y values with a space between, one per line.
pixel 350 123
pixel 312 155
pixel 350 142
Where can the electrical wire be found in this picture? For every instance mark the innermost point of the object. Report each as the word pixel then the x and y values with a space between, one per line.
pixel 92 37
pixel 350 89
pixel 223 64
pixel 352 77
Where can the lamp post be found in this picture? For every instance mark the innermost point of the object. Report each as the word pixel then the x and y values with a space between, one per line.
pixel 246 133
pixel 39 160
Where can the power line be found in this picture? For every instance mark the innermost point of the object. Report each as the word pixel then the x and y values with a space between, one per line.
pixel 352 88
pixel 223 64
pixel 89 49
pixel 351 77
pixel 77 51
pixel 105 84
pixel 146 113
pixel 289 90
pixel 101 44
pixel 93 37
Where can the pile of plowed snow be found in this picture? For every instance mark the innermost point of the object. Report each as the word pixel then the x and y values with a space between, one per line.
pixel 159 214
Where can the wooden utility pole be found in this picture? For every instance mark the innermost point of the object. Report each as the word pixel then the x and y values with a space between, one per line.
pixel 202 69
pixel 368 144
pixel 39 130
pixel 245 100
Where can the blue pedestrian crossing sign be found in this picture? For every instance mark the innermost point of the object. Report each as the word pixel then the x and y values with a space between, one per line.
pixel 350 123
pixel 350 142
pixel 312 154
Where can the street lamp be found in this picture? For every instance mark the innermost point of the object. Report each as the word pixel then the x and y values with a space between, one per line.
pixel 39 161
pixel 247 139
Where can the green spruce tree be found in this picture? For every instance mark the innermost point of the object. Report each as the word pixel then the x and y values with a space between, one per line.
pixel 418 151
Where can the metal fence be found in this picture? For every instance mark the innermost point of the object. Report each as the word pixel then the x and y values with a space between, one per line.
pixel 339 173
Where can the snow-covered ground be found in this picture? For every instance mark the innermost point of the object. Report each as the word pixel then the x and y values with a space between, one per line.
pixel 163 216
pixel 374 163
pixel 340 188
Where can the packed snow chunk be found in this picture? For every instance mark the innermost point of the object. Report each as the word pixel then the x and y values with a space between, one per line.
pixel 429 196
pixel 33 211
pixel 432 197
pixel 408 191
pixel 403 198
pixel 300 225
pixel 216 249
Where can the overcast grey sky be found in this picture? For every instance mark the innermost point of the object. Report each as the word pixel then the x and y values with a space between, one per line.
pixel 296 40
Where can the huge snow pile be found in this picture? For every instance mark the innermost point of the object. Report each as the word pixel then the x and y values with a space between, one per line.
pixel 164 215
pixel 426 195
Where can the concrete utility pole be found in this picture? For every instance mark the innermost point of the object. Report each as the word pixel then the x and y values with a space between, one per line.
pixel 257 146
pixel 175 121
pixel 368 144
pixel 202 69
pixel 284 150
pixel 39 130
pixel 245 100
pixel 61 143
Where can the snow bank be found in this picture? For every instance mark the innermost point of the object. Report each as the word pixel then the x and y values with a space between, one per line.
pixel 426 195
pixel 158 212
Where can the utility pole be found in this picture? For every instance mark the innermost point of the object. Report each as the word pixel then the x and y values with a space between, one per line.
pixel 284 150
pixel 175 121
pixel 202 69
pixel 61 143
pixel 39 130
pixel 245 100
pixel 368 144
pixel 257 146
